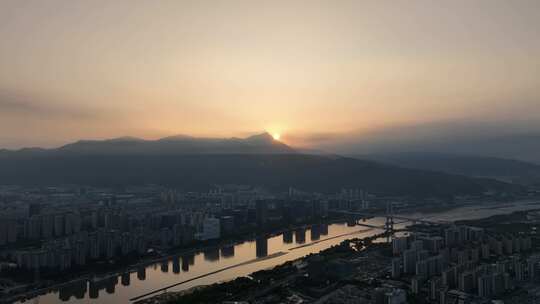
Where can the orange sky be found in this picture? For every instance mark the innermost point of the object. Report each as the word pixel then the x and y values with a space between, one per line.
pixel 306 69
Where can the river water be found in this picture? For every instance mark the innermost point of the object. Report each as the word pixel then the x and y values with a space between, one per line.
pixel 228 262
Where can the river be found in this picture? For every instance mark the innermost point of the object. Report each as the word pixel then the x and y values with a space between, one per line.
pixel 228 262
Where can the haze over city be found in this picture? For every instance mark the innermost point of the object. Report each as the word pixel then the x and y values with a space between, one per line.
pixel 270 152
pixel 317 72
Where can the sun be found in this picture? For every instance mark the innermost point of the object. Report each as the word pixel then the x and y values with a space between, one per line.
pixel 276 136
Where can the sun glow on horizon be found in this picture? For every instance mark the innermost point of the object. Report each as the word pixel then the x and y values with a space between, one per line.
pixel 276 136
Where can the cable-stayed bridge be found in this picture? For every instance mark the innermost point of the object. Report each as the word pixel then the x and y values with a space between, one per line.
pixel 391 218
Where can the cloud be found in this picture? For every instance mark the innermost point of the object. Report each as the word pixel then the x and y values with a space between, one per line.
pixel 502 138
pixel 21 104
pixel 34 120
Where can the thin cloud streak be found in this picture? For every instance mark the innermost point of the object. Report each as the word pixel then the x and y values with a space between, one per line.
pixel 16 104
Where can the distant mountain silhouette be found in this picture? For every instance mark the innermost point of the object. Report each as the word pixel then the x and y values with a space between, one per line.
pixel 174 145
pixel 518 140
pixel 192 163
pixel 475 166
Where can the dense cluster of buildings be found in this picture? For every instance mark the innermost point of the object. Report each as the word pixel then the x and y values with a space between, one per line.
pixel 462 263
pixel 57 228
pixel 46 230
pixel 437 263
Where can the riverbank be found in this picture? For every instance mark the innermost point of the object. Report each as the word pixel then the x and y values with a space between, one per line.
pixel 264 281
pixel 297 276
pixel 155 273
pixel 103 270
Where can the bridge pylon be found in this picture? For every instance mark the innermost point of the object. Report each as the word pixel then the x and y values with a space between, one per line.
pixel 389 224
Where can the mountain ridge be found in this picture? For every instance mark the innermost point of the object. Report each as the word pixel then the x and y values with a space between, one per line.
pixel 505 169
pixel 194 163
pixel 275 171
pixel 178 144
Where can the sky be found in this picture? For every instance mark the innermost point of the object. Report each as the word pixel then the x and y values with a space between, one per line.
pixel 310 70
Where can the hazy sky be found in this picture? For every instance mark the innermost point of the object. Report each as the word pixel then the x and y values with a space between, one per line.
pixel 306 69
